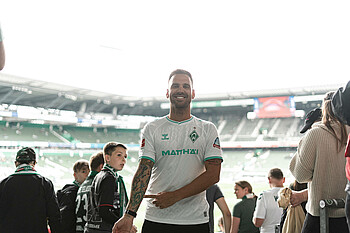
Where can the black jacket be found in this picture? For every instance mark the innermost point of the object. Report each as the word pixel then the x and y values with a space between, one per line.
pixel 103 206
pixel 27 201
pixel 81 202
pixel 66 200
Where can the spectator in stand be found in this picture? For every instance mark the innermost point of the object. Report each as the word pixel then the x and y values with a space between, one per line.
pixel 83 195
pixel 27 199
pixel 318 161
pixel 67 195
pixel 214 194
pixel 268 214
pixel 2 52
pixel 242 213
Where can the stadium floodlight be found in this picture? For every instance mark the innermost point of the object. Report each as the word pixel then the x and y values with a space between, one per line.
pixel 71 97
pixel 22 89
pixel 67 96
pixel 106 102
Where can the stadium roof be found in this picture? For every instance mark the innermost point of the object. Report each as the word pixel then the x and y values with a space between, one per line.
pixel 29 92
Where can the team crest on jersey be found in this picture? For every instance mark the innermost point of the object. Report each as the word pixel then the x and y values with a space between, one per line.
pixel 143 142
pixel 194 136
pixel 217 143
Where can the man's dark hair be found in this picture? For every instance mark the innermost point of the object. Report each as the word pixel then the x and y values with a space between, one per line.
pixel 276 173
pixel 96 160
pixel 180 71
pixel 110 147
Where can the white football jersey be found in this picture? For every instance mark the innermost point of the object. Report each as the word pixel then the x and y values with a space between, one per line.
pixel 178 150
pixel 267 208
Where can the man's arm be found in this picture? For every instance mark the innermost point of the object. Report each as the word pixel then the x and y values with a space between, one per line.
pixel 258 222
pixel 225 213
pixel 235 224
pixel 260 211
pixel 140 184
pixel 199 184
pixel 138 189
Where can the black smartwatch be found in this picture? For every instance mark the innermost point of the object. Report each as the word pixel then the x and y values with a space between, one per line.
pixel 132 213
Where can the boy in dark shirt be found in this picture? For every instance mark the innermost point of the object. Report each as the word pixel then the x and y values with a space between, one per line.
pixel 108 196
pixel 67 195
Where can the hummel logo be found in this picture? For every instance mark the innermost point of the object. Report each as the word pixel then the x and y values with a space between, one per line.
pixel 165 137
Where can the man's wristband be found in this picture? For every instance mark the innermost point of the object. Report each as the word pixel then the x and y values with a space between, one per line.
pixel 132 213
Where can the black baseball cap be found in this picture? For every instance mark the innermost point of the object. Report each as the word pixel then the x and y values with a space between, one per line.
pixel 26 154
pixel 311 117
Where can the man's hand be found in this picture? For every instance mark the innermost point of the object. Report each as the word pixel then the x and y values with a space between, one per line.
pixel 164 199
pixel 298 197
pixel 133 229
pixel 124 225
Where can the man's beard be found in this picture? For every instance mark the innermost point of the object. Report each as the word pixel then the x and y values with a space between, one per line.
pixel 183 104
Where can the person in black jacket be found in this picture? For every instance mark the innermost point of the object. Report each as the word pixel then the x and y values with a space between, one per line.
pixel 67 195
pixel 27 199
pixel 108 197
pixel 81 202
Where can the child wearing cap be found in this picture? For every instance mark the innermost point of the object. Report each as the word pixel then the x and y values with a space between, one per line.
pixel 67 195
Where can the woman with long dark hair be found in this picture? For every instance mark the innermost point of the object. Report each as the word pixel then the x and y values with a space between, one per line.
pixel 320 161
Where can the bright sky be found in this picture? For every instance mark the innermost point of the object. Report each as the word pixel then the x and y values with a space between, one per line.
pixel 130 47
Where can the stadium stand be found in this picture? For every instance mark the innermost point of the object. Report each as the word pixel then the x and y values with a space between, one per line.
pixel 24 131
pixel 100 135
pixel 66 123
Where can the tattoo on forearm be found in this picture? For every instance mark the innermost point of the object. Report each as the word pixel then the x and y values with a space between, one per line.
pixel 140 183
